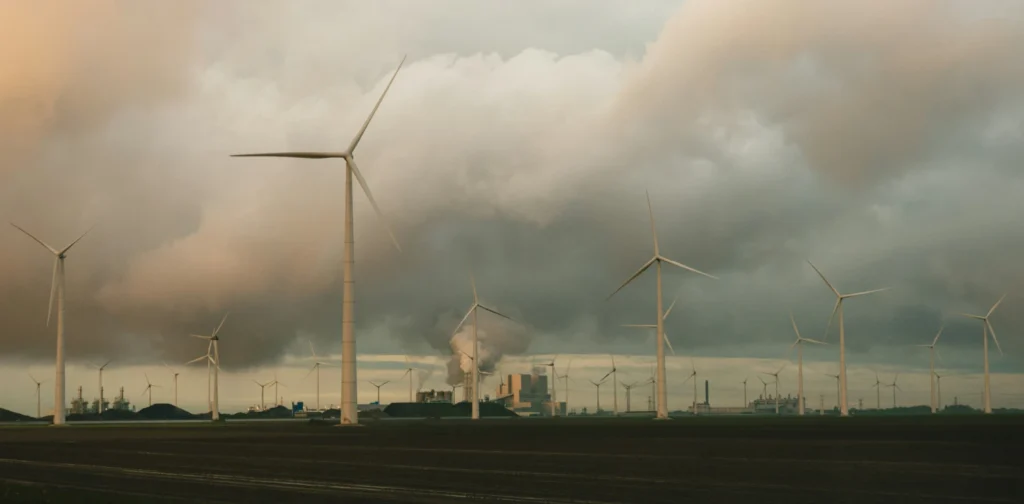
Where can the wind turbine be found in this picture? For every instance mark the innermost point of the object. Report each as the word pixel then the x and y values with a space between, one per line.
pixel 212 358
pixel 38 396
pixel 986 328
pixel 878 392
pixel 764 392
pixel 408 371
pixel 275 383
pixel 745 403
pixel 628 387
pixel 598 385
pixel 149 388
pixel 839 394
pixel 894 387
pixel 476 346
pixel 99 407
pixel 843 409
pixel 57 288
pixel 565 377
pixel 379 385
pixel 316 366
pixel 931 365
pixel 615 385
pixel 800 363
pixel 175 373
pixel 776 375
pixel 349 390
pixel 263 388
pixel 693 376
pixel 938 384
pixel 662 392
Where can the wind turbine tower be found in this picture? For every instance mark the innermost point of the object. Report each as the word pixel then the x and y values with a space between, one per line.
pixel 476 344
pixel 99 407
pixel 800 364
pixel 662 393
pixel 843 407
pixel 931 366
pixel 349 389
pixel 212 358
pixel 57 288
pixel 986 328
pixel 379 385
pixel 39 408
pixel 894 387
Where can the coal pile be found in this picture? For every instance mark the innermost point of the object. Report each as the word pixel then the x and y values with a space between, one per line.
pixel 275 412
pixel 164 411
pixel 446 410
pixel 10 416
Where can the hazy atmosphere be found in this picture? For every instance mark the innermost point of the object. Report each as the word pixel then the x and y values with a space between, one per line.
pixel 516 144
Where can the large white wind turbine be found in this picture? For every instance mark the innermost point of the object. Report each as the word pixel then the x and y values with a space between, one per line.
pixel 57 288
pixel 39 408
pixel 799 343
pixel 212 359
pixel 476 345
pixel 662 392
pixel 99 407
pixel 843 409
pixel 986 328
pixel 931 366
pixel 615 385
pixel 349 389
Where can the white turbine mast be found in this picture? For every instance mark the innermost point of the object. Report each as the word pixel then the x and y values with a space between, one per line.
pixel 263 388
pixel 894 388
pixel 99 406
pixel 800 363
pixel 408 371
pixel 349 389
pixel 615 385
pixel 662 392
pixel 57 290
pixel 316 367
pixel 843 407
pixel 838 393
pixel 38 396
pixel 932 352
pixel 379 385
pixel 212 359
pixel 693 376
pixel 566 378
pixel 986 329
pixel 776 376
pixel 878 392
pixel 745 403
pixel 598 384
pixel 476 344
pixel 175 374
pixel 149 389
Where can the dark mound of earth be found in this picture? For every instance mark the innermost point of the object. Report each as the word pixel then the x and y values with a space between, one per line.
pixel 10 416
pixel 275 412
pixel 164 411
pixel 446 410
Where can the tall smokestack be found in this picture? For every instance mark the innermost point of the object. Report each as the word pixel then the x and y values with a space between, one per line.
pixel 706 398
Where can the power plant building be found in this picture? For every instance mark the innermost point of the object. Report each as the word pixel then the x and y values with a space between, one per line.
pixel 528 395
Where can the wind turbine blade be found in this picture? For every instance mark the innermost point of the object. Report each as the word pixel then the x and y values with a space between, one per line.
pixel 311 369
pixel 41 242
pixel 795 328
pixel 72 244
pixel 373 202
pixel 638 273
pixel 311 349
pixel 466 354
pixel 217 330
pixel 494 311
pixel 669 310
pixel 301 155
pixel 669 343
pixel 108 362
pixel 864 293
pixel 936 340
pixel 654 232
pixel 472 283
pixel 994 338
pixel 989 314
pixel 780 370
pixel 605 377
pixel 832 316
pixel 813 341
pixel 645 326
pixel 197 359
pixel 823 278
pixel 359 136
pixel 687 379
pixel 685 267
pixel 938 355
pixel 976 317
pixel 463 321
pixel 201 337
pixel 385 383
pixel 53 290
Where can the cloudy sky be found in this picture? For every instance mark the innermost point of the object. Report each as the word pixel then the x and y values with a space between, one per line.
pixel 882 142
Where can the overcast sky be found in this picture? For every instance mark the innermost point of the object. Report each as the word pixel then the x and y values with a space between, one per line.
pixel 883 143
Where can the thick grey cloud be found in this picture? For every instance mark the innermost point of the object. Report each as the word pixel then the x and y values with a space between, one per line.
pixel 881 143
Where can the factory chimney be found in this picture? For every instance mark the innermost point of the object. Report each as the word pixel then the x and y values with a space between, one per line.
pixel 706 398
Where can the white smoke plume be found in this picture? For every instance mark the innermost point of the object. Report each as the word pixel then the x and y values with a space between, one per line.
pixel 494 344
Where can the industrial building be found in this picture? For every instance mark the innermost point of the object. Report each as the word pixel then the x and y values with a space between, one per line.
pixel 763 405
pixel 528 394
pixel 434 396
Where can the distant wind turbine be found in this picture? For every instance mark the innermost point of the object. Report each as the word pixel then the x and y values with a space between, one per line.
pixel 276 383
pixel 316 367
pixel 657 260
pixel 476 344
pixel 776 375
pixel 615 384
pixel 839 394
pixel 57 288
pixel 597 384
pixel 212 358
pixel 149 389
pixel 843 408
pixel 745 403
pixel 628 387
pixel 764 392
pixel 566 378
pixel 878 392
pixel 693 376
pixel 349 390
pixel 39 408
pixel 175 373
pixel 379 385
pixel 894 387
pixel 931 366
pixel 800 363
pixel 986 328
pixel 408 371
pixel 99 407
pixel 554 385
pixel 263 388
